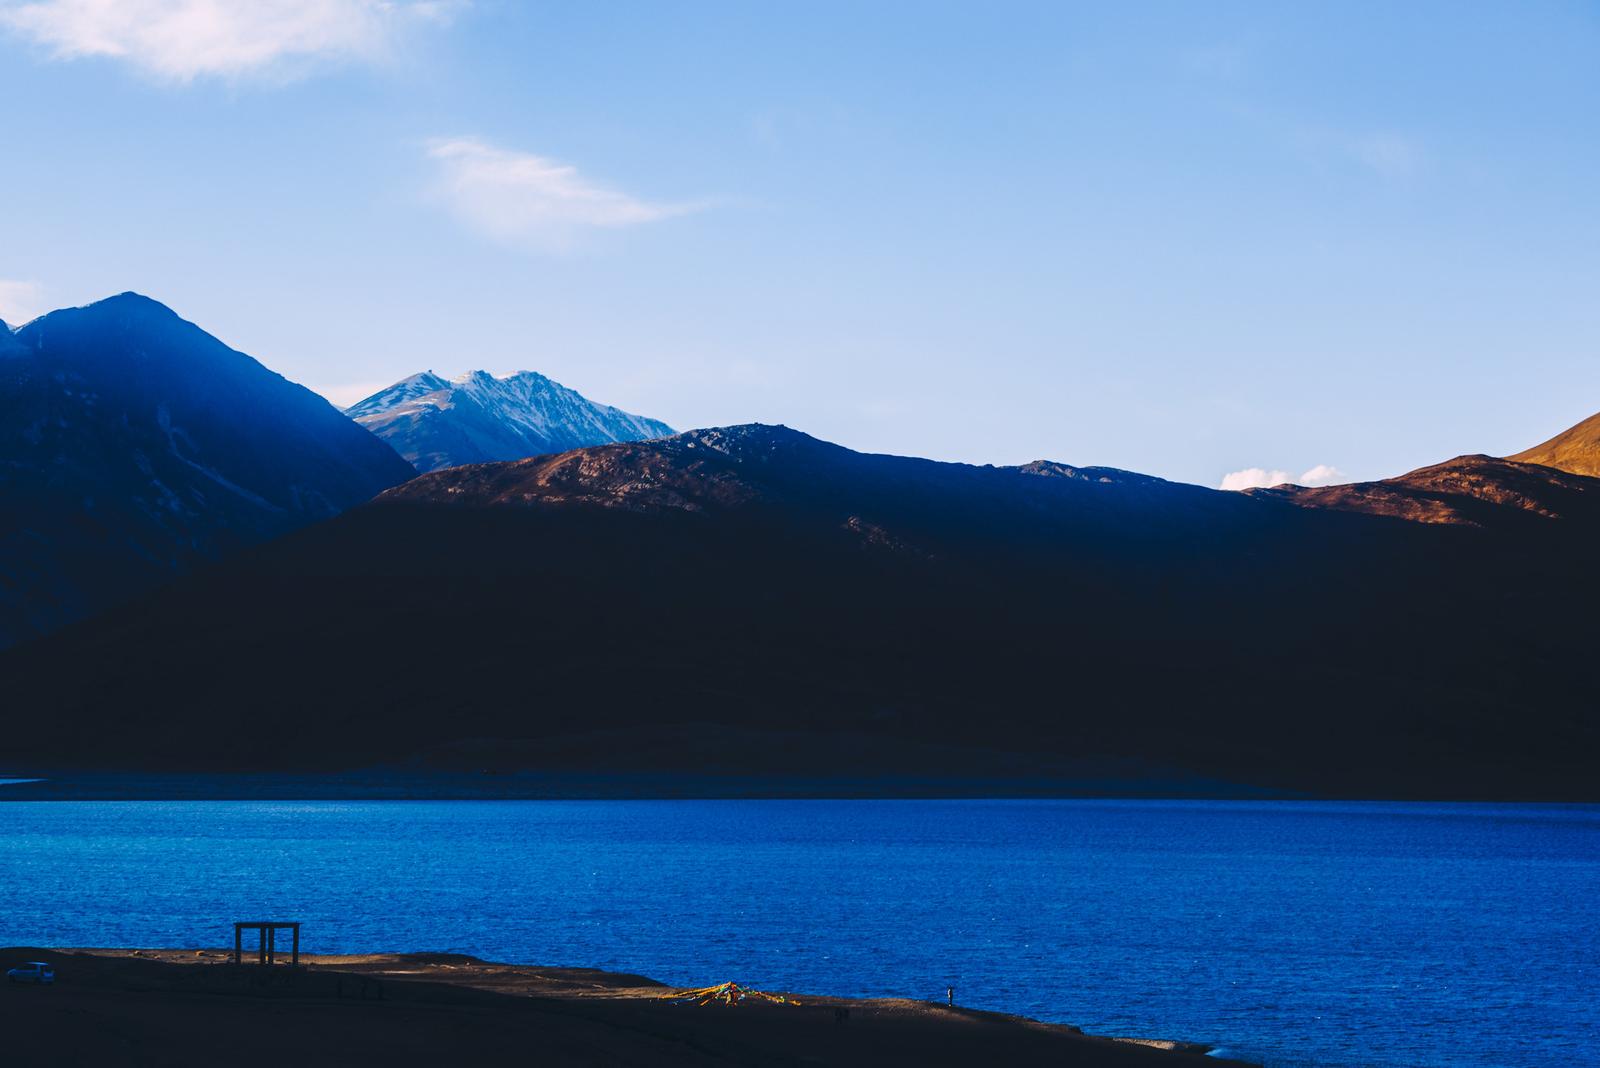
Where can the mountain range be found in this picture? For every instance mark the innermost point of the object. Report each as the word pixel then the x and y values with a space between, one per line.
pixel 752 605
pixel 478 417
pixel 749 609
pixel 135 446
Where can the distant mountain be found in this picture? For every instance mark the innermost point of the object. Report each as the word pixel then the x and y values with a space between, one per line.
pixel 1576 449
pixel 758 470
pixel 133 445
pixel 1480 491
pixel 477 418
pixel 1559 479
pixel 752 606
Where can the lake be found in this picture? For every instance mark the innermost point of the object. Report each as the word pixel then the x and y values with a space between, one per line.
pixel 1286 932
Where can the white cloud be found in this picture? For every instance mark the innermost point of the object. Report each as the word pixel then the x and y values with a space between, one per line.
pixel 522 198
pixel 20 301
pixel 1253 477
pixel 180 40
pixel 1260 477
pixel 1323 475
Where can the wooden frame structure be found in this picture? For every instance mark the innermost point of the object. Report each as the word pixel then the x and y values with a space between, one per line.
pixel 268 951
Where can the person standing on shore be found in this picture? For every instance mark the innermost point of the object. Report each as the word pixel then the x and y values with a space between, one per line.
pixel 950 996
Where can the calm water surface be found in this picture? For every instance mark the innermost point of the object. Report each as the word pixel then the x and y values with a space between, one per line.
pixel 1294 934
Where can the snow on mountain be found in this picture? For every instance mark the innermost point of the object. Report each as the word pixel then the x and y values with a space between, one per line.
pixel 479 417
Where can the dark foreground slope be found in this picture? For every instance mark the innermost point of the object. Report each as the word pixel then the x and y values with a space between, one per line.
pixel 755 602
pixel 191 1008
pixel 134 445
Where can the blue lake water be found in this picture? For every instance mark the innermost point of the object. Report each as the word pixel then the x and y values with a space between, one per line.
pixel 1290 933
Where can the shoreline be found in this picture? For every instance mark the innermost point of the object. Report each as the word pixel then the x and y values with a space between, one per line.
pixel 172 1006
pixel 389 784
pixel 383 784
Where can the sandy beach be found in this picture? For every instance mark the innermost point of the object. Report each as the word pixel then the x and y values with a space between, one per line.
pixel 193 1007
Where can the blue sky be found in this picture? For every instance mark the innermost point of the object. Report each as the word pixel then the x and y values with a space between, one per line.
pixel 1189 238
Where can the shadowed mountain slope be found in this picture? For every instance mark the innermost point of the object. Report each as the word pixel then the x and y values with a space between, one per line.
pixel 134 445
pixel 753 602
pixel 477 418
pixel 758 472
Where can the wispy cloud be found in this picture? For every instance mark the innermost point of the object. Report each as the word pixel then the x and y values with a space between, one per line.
pixel 1347 143
pixel 1388 154
pixel 1391 155
pixel 1261 477
pixel 521 198
pixel 20 301
pixel 1221 62
pixel 181 40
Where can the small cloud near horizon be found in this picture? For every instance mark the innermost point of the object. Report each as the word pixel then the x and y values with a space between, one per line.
pixel 1262 478
pixel 182 40
pixel 1323 475
pixel 20 301
pixel 522 198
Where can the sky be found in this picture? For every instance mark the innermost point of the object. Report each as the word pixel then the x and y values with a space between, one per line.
pixel 1224 243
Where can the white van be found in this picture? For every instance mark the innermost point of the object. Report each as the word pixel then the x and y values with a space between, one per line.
pixel 35 971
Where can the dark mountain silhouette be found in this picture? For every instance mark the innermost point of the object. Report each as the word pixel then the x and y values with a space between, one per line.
pixel 436 422
pixel 134 445
pixel 752 602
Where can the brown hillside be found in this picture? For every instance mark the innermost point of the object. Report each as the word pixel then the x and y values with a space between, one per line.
pixel 1479 491
pixel 1576 450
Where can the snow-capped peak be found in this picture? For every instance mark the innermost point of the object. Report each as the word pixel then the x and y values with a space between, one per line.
pixel 478 417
